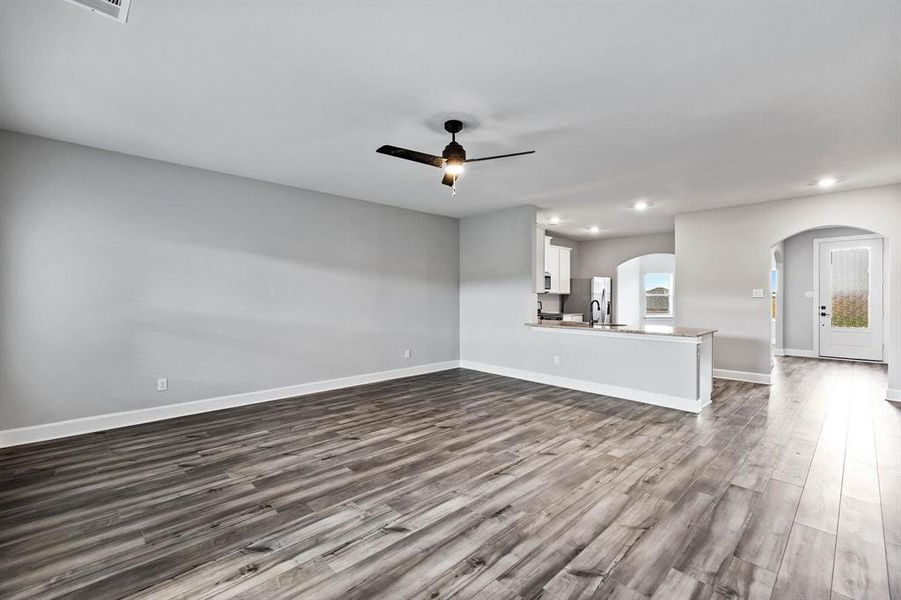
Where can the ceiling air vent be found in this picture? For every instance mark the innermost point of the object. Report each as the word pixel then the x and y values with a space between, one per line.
pixel 114 9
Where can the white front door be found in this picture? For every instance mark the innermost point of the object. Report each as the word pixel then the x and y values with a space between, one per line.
pixel 850 302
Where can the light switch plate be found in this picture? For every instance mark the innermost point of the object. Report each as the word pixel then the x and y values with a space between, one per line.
pixel 757 292
pixel 808 294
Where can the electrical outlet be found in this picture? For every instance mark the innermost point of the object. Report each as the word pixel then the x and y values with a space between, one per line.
pixel 407 354
pixel 757 293
pixel 557 361
pixel 162 384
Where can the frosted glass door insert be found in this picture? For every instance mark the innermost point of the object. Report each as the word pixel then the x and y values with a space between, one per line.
pixel 850 272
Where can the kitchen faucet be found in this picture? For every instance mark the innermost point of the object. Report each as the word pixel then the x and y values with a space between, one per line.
pixel 591 320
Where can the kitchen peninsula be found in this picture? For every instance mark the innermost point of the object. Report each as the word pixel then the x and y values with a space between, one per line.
pixel 654 364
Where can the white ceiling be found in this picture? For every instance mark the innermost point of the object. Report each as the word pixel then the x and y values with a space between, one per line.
pixel 691 105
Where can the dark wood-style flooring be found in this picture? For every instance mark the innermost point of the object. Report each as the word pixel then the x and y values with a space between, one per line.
pixel 466 485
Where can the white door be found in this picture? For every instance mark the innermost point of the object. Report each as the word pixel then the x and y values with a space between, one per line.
pixel 850 302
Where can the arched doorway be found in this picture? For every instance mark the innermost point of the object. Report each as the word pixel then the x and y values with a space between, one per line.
pixel 828 294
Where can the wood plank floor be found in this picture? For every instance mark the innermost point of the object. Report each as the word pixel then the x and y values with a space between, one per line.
pixel 466 485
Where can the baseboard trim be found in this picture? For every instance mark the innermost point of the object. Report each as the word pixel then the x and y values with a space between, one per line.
pixel 779 351
pixel 750 377
pixel 800 353
pixel 893 395
pixel 665 400
pixel 61 429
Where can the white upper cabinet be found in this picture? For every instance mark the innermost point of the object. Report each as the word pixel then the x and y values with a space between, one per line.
pixel 557 263
pixel 552 266
pixel 564 269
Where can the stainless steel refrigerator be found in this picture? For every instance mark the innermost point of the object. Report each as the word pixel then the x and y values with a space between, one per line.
pixel 581 294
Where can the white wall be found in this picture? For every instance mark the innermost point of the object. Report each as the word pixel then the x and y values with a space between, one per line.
pixel 722 254
pixel 798 327
pixel 599 258
pixel 117 270
pixel 627 308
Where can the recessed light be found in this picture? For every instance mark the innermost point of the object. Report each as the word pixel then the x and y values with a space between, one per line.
pixel 594 229
pixel 641 205
pixel 554 220
pixel 826 182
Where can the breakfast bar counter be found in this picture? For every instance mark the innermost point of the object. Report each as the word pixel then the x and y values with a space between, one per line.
pixel 688 332
pixel 654 364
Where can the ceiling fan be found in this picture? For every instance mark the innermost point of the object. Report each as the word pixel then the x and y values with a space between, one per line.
pixel 451 160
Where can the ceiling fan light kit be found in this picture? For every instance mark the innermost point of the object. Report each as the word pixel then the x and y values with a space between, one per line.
pixel 451 160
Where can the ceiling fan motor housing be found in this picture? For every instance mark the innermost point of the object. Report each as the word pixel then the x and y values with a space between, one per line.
pixel 454 150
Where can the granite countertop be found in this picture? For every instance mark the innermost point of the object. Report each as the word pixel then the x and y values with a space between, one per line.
pixel 631 329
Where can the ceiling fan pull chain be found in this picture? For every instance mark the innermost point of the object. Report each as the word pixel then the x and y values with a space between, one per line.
pixel 454 188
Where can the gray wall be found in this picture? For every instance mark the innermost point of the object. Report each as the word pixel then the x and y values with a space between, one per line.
pixel 497 262
pixel 722 254
pixel 599 258
pixel 797 326
pixel 116 270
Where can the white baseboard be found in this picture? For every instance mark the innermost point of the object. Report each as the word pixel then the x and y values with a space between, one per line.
pixel 893 395
pixel 748 376
pixel 668 401
pixel 800 353
pixel 60 429
pixel 779 351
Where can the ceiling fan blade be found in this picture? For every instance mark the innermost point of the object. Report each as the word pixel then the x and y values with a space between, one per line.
pixel 499 156
pixel 448 179
pixel 420 157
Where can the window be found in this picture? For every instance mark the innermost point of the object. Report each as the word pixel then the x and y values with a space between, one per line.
pixel 658 289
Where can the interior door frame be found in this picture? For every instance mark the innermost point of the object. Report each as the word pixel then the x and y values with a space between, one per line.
pixel 816 285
